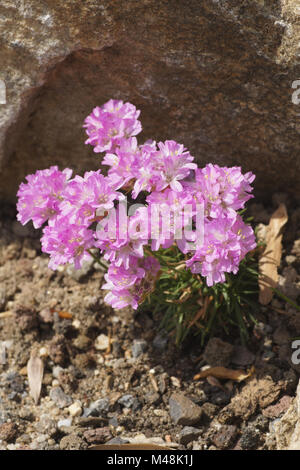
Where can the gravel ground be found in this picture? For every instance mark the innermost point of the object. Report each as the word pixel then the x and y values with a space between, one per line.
pixel 112 376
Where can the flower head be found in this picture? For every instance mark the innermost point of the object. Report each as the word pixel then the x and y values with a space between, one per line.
pixel 131 286
pixel 109 124
pixel 66 243
pixel 40 198
pixel 173 163
pixel 123 163
pixel 222 189
pixel 89 196
pixel 226 242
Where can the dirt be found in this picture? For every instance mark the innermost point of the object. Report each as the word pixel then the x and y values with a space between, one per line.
pixel 109 375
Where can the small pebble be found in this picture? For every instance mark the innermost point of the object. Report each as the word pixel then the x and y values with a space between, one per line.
pixel 129 401
pixel 225 436
pixel 12 446
pixel 268 343
pixel 64 423
pixel 117 441
pixel 42 438
pixel 56 371
pixel 183 411
pixel 98 435
pixel 250 438
pixel 43 352
pixel 102 342
pixel 97 408
pixel 290 259
pixel 139 346
pixel 188 434
pixel 160 342
pixel 76 324
pixel 60 398
pixel 75 409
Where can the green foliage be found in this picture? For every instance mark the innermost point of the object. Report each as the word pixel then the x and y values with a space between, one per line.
pixel 188 306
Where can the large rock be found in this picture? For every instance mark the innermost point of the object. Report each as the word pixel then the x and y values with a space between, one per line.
pixel 214 74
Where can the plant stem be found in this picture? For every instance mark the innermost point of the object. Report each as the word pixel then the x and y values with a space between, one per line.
pixel 97 259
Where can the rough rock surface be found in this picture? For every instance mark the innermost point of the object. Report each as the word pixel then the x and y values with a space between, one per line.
pixel 257 392
pixel 287 429
pixel 216 75
pixel 183 410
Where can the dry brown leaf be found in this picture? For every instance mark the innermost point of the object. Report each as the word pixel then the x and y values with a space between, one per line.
pixel 35 372
pixel 271 255
pixel 224 373
pixel 129 447
pixel 202 312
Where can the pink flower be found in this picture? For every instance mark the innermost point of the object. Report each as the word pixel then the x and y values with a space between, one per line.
pixel 122 298
pixel 222 189
pixel 170 212
pixel 173 163
pixel 178 191
pixel 124 242
pixel 88 196
pixel 226 242
pixel 161 168
pixel 109 124
pixel 123 163
pixel 140 278
pixel 145 173
pixel 40 198
pixel 66 243
pixel 120 278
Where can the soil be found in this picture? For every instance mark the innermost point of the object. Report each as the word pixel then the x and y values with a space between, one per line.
pixel 112 376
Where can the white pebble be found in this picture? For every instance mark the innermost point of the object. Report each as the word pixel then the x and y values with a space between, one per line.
pixel 43 352
pixel 102 342
pixel 56 371
pixel 75 409
pixel 64 422
pixel 12 446
pixel 76 324
pixel 100 360
pixel 175 381
pixel 119 429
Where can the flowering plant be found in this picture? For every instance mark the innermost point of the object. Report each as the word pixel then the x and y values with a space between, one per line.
pixel 173 205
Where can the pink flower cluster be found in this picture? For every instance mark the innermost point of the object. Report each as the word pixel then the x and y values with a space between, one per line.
pixel 173 190
pixel 109 124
